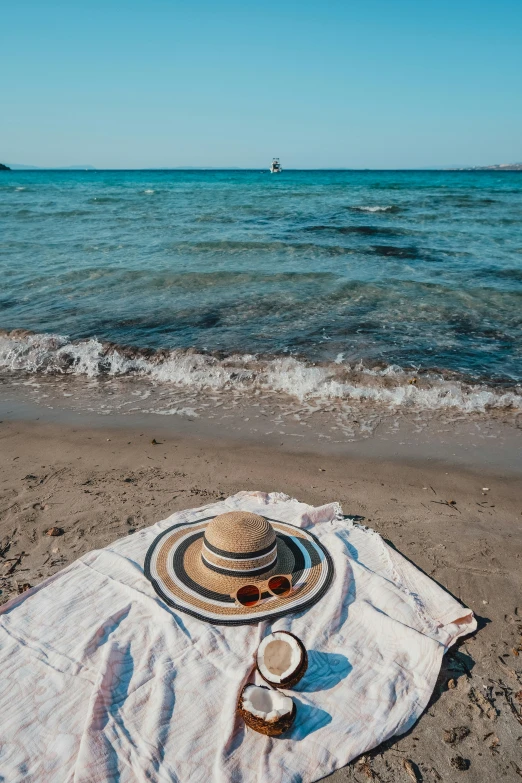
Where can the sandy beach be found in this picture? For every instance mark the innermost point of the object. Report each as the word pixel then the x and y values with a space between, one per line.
pixel 96 484
pixel 261 269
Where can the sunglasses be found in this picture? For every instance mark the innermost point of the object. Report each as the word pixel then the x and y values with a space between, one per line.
pixel 250 595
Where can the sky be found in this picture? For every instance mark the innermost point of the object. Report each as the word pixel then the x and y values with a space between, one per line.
pixel 329 84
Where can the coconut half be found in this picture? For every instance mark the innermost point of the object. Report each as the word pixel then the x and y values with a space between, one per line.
pixel 281 659
pixel 266 711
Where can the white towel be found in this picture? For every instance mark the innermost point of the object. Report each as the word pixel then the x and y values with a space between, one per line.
pixel 101 681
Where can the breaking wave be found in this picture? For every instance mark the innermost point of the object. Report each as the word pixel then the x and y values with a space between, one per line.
pixel 375 209
pixel 389 387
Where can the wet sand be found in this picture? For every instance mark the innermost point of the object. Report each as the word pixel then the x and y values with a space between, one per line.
pixel 98 483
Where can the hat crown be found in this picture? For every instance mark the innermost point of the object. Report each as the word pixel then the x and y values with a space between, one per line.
pixel 240 532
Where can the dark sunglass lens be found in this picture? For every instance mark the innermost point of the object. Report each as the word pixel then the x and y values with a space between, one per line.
pixel 248 595
pixel 279 585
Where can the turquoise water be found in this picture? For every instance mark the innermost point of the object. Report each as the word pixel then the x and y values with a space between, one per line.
pixel 414 270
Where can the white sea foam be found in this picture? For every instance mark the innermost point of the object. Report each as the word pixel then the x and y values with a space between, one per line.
pixel 186 412
pixel 337 382
pixel 373 209
pixel 149 190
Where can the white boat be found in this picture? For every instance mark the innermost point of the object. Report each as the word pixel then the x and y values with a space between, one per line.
pixel 275 168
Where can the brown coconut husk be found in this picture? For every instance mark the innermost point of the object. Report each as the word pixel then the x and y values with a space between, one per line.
pixel 293 679
pixel 273 728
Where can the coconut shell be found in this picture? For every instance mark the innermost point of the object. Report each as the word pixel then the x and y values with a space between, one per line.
pixel 294 678
pixel 273 728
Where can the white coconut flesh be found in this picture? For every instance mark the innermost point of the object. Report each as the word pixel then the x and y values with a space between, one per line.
pixel 278 657
pixel 266 704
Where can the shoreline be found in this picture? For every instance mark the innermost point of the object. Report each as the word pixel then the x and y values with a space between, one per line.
pixel 100 483
pixel 488 447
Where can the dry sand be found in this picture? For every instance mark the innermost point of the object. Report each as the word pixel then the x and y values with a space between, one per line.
pixel 98 484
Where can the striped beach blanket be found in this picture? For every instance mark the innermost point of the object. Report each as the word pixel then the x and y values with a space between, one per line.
pixel 102 681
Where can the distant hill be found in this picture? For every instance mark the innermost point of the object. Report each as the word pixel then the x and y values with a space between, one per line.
pixel 503 167
pixel 496 167
pixel 22 167
pixel 4 168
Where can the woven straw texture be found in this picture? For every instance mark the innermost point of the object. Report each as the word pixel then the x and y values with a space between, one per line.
pixel 185 580
pixel 240 566
pixel 241 532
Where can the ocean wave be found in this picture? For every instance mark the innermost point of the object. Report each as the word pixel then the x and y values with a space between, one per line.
pixel 397 252
pixel 37 214
pixel 464 200
pixel 505 274
pixel 232 247
pixel 390 208
pixel 188 281
pixel 105 200
pixel 363 230
pixel 389 387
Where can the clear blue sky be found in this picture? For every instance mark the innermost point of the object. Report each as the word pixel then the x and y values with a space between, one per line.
pixel 337 83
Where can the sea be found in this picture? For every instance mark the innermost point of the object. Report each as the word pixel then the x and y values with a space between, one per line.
pixel 359 296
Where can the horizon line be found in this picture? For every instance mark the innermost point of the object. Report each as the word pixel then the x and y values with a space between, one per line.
pixel 493 167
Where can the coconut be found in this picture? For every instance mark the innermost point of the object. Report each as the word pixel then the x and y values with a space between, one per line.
pixel 281 659
pixel 265 710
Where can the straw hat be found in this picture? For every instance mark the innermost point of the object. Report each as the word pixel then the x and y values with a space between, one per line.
pixel 197 567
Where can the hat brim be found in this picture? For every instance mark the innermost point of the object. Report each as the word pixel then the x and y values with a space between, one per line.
pixel 174 566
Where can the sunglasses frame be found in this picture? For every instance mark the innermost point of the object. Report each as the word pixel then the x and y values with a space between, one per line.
pixel 261 587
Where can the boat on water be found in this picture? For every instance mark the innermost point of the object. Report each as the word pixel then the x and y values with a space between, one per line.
pixel 275 168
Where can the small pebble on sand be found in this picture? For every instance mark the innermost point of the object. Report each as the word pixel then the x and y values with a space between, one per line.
pixel 23 588
pixel 55 531
pixel 460 763
pixel 456 735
